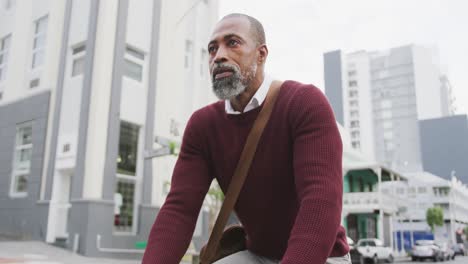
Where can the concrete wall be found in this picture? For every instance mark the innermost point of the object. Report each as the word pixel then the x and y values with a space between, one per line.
pixel 180 90
pixel 444 146
pixel 361 66
pixel 333 83
pixel 427 82
pixel 20 217
pixel 395 108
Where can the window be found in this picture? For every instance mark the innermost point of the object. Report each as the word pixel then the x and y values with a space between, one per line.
pixel 353 93
pixel 4 49
pixel 188 54
pixel 386 103
pixel 351 73
pixel 387 124
pixel 8 4
pixel 22 160
pixel 386 114
pixel 133 70
pixel 135 53
pixel 40 33
pixel 421 189
pixel 352 83
pixel 78 57
pixel 354 113
pixel 134 60
pixel 388 144
pixel 353 103
pixel 203 62
pixel 124 211
pixel 388 135
pixel 355 134
pixel 34 83
pixel 354 124
pixel 128 143
pixel 356 144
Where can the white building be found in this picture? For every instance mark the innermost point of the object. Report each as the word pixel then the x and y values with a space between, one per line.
pixel 380 96
pixel 425 190
pixel 85 88
pixel 367 211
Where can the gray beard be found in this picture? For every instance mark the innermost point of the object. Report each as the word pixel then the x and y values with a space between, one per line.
pixel 230 87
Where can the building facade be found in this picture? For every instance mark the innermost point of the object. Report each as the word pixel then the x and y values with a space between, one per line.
pixel 444 146
pixel 367 211
pixel 91 87
pixel 422 191
pixel 380 96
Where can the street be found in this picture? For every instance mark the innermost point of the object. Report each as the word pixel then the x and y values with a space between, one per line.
pixel 458 260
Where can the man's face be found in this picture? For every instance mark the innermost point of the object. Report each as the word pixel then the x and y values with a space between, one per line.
pixel 233 57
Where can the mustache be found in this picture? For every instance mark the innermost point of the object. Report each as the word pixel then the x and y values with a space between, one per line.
pixel 223 67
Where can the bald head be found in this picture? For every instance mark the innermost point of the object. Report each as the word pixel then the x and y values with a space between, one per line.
pixel 256 28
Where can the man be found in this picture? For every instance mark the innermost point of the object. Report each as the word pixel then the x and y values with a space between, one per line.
pixel 290 204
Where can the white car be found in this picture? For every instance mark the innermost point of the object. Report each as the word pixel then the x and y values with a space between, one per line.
pixel 374 249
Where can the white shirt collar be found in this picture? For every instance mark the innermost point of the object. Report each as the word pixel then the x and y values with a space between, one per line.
pixel 256 100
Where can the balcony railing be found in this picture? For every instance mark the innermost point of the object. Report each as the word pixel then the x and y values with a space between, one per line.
pixel 368 202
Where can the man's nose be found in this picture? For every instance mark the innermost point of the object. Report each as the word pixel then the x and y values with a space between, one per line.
pixel 221 55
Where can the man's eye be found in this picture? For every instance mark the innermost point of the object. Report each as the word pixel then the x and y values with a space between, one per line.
pixel 211 49
pixel 233 42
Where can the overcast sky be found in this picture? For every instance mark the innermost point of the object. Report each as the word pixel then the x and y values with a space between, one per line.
pixel 300 31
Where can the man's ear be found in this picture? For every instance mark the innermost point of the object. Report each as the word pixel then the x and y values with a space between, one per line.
pixel 262 53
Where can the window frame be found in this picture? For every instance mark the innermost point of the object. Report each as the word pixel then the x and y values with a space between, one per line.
pixel 39 50
pixel 135 180
pixel 188 54
pixel 78 52
pixel 4 52
pixel 16 170
pixel 135 56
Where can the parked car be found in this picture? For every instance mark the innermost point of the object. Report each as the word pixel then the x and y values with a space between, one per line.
pixel 356 256
pixel 426 249
pixel 447 251
pixel 373 250
pixel 459 249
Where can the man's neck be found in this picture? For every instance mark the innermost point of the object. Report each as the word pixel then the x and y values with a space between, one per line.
pixel 239 102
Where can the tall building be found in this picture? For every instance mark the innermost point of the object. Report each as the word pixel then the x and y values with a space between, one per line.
pixel 444 146
pixel 447 98
pixel 380 96
pixel 85 89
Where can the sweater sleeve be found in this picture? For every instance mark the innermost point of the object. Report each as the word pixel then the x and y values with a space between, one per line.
pixel 318 178
pixel 172 231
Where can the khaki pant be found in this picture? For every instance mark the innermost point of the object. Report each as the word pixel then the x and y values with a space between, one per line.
pixel 247 257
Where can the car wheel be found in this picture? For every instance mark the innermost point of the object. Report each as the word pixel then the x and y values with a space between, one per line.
pixel 435 259
pixel 390 258
pixel 414 258
pixel 375 260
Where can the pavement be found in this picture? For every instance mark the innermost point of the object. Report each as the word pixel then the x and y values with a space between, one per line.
pixel 458 260
pixel 36 252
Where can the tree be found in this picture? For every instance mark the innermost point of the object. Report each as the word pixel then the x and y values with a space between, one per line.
pixel 214 202
pixel 434 217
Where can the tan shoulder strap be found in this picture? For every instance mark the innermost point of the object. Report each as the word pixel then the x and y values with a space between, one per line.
pixel 241 171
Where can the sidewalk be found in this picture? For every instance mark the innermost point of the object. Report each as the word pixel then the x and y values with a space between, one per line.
pixel 36 252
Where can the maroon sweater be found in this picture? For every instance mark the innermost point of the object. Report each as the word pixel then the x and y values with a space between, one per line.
pixel 291 201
